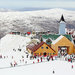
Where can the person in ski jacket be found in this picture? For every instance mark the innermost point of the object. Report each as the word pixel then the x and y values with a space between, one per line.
pixel 38 60
pixel 72 66
pixel 41 59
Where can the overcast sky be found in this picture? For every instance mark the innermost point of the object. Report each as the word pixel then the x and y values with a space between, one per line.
pixel 16 4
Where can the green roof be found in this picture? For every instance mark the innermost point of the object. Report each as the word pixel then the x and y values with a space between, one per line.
pixel 55 36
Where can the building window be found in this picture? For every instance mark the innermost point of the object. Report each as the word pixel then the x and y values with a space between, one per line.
pixel 53 53
pixel 46 47
pixel 41 47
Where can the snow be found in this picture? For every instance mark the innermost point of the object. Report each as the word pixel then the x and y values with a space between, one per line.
pixel 59 38
pixel 41 20
pixel 44 68
pixel 8 42
pixel 9 46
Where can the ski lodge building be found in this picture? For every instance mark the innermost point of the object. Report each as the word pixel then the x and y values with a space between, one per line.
pixel 63 46
pixel 54 44
pixel 41 49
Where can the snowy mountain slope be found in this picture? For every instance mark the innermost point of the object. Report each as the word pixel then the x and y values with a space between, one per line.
pixel 60 68
pixel 10 42
pixel 41 20
pixel 10 46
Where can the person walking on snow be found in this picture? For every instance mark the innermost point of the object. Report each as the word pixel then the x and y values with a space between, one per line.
pixel 38 60
pixel 53 71
pixel 41 59
pixel 33 62
pixel 72 66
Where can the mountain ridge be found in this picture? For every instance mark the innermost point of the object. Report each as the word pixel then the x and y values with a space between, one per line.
pixel 41 20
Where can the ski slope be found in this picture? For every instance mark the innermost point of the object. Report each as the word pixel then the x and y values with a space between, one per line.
pixel 44 68
pixel 10 42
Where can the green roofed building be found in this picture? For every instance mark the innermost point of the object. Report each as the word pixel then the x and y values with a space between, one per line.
pixel 53 37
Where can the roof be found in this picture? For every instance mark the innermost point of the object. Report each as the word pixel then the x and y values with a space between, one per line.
pixel 30 46
pixel 28 32
pixel 51 36
pixel 34 48
pixel 59 38
pixel 62 18
pixel 55 36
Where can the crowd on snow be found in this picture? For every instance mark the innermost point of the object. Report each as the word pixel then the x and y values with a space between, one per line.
pixel 39 59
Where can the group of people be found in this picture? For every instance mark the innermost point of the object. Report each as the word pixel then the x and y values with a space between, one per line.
pixel 42 58
pixel 38 59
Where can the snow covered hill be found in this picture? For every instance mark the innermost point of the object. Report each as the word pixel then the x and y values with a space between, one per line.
pixel 41 20
pixel 10 42
pixel 13 48
pixel 47 68
pixel 13 42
